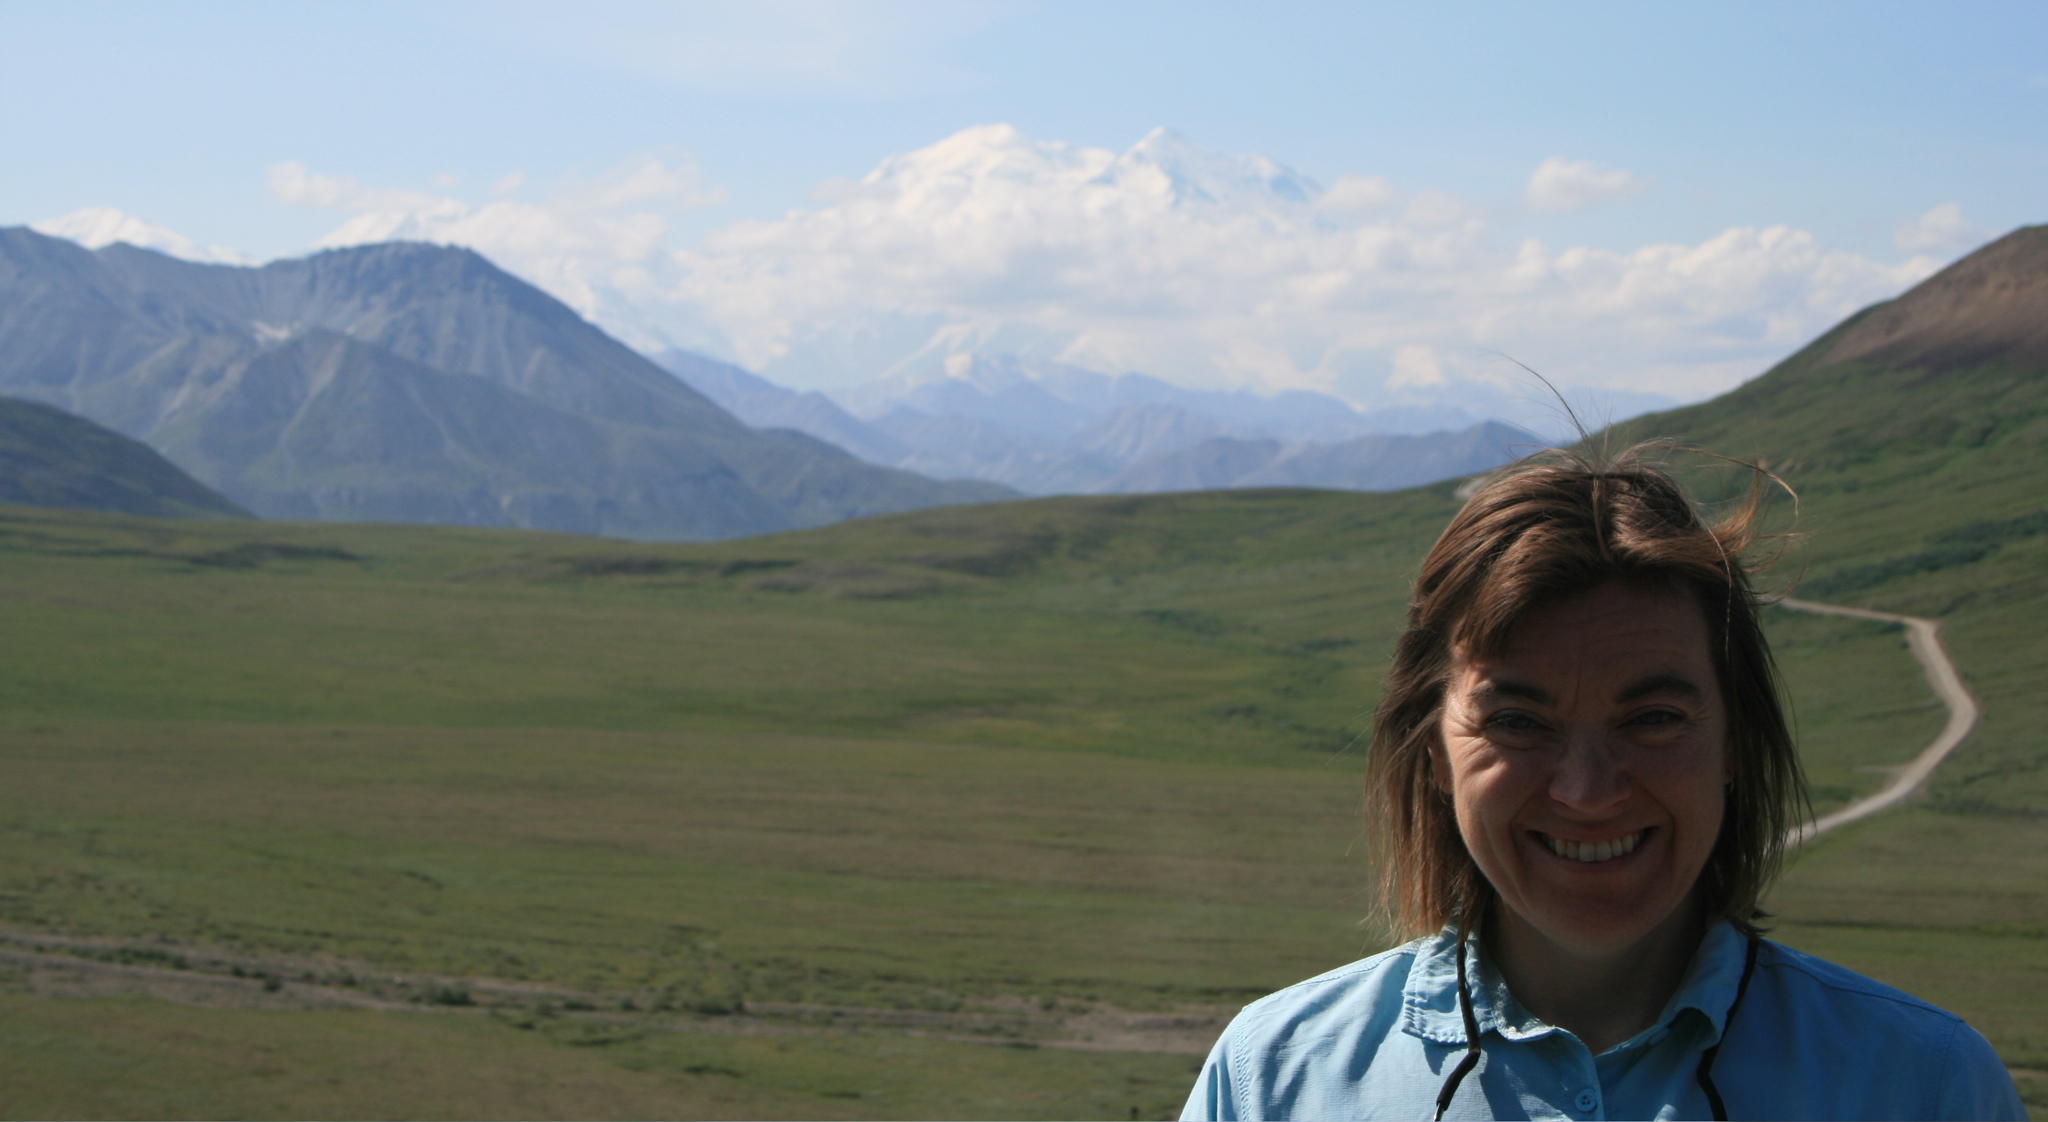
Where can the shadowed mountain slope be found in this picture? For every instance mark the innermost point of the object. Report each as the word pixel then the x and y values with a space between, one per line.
pixel 51 458
pixel 408 382
pixel 1990 306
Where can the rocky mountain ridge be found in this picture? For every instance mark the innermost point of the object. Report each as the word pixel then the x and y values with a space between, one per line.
pixel 408 382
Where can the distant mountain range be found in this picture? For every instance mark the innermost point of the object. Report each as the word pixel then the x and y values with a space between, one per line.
pixel 409 382
pixel 1047 428
pixel 419 383
pixel 52 458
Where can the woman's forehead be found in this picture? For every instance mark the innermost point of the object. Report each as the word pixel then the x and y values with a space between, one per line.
pixel 1611 607
pixel 1615 631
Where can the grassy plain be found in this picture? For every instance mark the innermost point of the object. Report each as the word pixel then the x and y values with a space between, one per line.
pixel 1071 756
pixel 685 778
pixel 128 1058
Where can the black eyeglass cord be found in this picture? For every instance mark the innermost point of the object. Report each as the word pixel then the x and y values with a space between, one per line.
pixel 1706 1067
pixel 1471 1060
pixel 1704 1072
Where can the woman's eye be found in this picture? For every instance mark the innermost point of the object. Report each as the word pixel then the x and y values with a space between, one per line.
pixel 1512 722
pixel 1659 717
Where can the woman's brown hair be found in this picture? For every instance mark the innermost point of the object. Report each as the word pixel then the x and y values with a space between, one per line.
pixel 1546 530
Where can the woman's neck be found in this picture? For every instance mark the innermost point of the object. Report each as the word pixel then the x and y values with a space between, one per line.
pixel 1603 999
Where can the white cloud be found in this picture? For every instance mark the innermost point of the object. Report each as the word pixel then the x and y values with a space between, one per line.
pixel 1559 185
pixel 767 48
pixel 291 182
pixel 99 226
pixel 1225 271
pixel 1416 366
pixel 1942 231
pixel 1359 194
pixel 1201 268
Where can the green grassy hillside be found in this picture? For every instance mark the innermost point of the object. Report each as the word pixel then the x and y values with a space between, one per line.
pixel 51 458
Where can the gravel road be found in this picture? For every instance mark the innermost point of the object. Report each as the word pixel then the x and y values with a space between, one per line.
pixel 1922 636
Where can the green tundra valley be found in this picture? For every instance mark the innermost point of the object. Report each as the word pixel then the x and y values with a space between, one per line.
pixel 990 810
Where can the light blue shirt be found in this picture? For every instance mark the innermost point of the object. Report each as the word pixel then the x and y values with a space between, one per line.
pixel 1376 1039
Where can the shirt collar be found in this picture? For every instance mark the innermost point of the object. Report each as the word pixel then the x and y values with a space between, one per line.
pixel 1711 980
pixel 1430 999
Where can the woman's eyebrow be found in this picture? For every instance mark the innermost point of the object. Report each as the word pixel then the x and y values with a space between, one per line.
pixel 1508 687
pixel 1662 683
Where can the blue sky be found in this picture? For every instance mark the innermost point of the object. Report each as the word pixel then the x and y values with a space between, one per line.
pixel 1842 121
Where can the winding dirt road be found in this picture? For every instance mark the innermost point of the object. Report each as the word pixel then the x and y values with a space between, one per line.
pixel 1922 638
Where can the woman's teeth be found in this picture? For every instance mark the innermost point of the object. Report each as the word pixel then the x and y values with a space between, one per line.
pixel 1595 851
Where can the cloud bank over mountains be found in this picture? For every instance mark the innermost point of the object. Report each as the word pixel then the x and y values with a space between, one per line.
pixel 596 245
pixel 99 226
pixel 1208 270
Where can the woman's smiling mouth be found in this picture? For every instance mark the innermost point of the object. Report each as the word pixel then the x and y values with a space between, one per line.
pixel 1590 852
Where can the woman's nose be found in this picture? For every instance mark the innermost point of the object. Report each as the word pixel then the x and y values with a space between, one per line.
pixel 1589 779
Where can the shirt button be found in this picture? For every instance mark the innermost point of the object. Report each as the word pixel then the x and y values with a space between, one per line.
pixel 1586 1101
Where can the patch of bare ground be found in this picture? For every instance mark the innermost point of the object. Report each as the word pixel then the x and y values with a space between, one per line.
pixel 57 965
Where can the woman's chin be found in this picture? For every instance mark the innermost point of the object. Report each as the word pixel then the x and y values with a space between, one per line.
pixel 1593 924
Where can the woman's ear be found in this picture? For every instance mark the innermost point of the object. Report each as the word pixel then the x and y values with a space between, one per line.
pixel 1439 763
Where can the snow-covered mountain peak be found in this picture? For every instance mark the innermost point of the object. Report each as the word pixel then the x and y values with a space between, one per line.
pixel 992 161
pixel 989 153
pixel 96 227
pixel 1192 173
pixel 996 373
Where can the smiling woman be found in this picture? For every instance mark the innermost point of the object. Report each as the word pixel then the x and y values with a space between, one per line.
pixel 1580 782
pixel 1587 763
